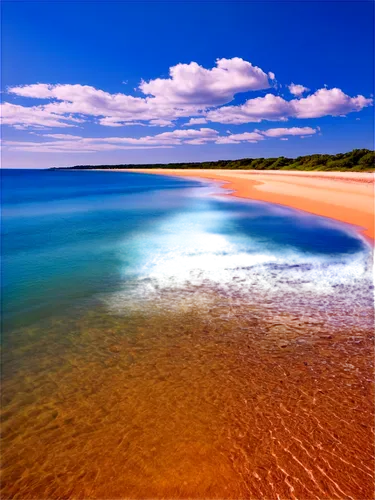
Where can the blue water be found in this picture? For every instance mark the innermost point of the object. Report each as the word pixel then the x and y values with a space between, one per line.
pixel 70 236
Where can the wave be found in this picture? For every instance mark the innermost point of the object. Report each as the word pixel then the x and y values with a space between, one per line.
pixel 270 274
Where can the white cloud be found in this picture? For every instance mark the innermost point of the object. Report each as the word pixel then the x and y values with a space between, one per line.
pixel 195 121
pixel 226 140
pixel 194 85
pixel 279 132
pixel 244 137
pixel 110 121
pixel 80 102
pixel 69 148
pixel 68 143
pixel 160 123
pixel 259 135
pixel 190 91
pixel 177 136
pixel 23 117
pixel 328 102
pixel 36 90
pixel 297 89
pixel 62 136
pixel 76 145
pixel 198 142
pixel 269 107
pixel 324 102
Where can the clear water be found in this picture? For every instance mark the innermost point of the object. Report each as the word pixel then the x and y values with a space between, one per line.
pixel 156 331
pixel 75 235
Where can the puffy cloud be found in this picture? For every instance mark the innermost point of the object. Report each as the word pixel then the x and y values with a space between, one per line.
pixel 236 138
pixel 226 140
pixel 279 132
pixel 195 121
pixel 200 136
pixel 323 102
pixel 36 90
pixel 190 90
pixel 297 89
pixel 328 102
pixel 269 107
pixel 110 121
pixel 193 84
pixel 73 101
pixel 160 123
pixel 23 117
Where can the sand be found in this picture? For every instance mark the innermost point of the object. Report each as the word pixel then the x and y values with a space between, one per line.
pixel 344 196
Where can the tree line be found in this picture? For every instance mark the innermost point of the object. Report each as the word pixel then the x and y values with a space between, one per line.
pixel 358 160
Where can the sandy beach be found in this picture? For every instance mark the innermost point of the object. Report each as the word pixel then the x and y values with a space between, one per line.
pixel 344 196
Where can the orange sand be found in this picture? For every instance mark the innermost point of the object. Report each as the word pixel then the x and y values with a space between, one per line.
pixel 344 196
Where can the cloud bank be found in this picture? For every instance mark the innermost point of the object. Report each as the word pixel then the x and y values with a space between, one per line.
pixel 324 102
pixel 69 143
pixel 191 92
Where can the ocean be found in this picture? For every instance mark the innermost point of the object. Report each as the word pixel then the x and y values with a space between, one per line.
pixel 162 339
pixel 70 236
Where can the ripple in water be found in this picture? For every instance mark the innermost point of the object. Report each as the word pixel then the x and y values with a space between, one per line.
pixel 215 399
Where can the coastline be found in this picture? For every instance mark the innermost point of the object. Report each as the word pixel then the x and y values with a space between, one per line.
pixel 344 196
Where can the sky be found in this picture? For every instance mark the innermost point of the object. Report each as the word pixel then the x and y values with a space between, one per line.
pixel 111 82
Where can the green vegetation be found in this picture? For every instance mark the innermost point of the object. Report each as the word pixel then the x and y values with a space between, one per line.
pixel 358 160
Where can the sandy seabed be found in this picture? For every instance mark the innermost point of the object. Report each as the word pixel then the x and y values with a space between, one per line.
pixel 225 400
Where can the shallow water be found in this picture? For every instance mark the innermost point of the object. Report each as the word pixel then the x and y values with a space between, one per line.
pixel 226 401
pixel 208 348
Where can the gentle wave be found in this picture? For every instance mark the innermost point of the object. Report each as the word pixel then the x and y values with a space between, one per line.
pixel 270 274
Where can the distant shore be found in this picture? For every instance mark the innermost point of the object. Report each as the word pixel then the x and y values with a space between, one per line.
pixel 344 196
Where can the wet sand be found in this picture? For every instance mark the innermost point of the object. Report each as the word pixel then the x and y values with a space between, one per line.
pixel 344 196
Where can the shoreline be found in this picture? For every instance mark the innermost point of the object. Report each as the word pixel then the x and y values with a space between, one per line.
pixel 343 196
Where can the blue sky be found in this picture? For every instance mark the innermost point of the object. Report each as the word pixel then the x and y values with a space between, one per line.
pixel 138 82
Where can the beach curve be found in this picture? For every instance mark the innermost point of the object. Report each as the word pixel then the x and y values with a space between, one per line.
pixel 344 196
